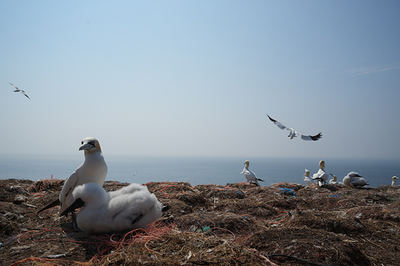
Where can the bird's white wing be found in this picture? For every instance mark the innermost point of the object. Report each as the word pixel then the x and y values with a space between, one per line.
pixel 279 124
pixel 310 137
pixel 66 197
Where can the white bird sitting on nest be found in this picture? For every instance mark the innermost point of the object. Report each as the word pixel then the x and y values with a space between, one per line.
pixel 250 176
pixel 128 208
pixel 307 178
pixel 294 133
pixel 333 181
pixel 394 179
pixel 353 179
pixel 93 170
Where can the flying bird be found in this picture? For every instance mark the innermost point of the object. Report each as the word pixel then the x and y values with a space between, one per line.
pixel 294 133
pixel 250 175
pixel 127 208
pixel 93 170
pixel 19 90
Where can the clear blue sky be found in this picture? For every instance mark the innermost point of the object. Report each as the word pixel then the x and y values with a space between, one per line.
pixel 175 78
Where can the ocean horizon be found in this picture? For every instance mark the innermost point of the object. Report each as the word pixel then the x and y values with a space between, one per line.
pixel 197 170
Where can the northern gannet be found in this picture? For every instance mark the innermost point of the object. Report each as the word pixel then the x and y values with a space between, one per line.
pixel 250 176
pixel 93 170
pixel 333 181
pixel 307 178
pixel 294 133
pixel 321 176
pixel 394 179
pixel 125 209
pixel 353 179
pixel 19 90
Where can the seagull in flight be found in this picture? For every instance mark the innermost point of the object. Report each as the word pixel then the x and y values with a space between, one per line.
pixel 19 90
pixel 294 133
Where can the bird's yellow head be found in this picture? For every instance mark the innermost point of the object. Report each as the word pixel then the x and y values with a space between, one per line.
pixel 247 163
pixel 322 164
pixel 90 145
pixel 334 178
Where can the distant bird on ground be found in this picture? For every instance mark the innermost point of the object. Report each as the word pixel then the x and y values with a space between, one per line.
pixel 321 176
pixel 93 170
pixel 333 181
pixel 294 133
pixel 250 176
pixel 394 179
pixel 307 178
pixel 19 90
pixel 125 209
pixel 353 179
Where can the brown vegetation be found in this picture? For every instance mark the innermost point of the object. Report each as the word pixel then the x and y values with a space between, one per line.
pixel 212 224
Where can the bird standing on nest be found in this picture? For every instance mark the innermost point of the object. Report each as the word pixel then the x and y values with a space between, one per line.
pixel 93 170
pixel 250 176
pixel 321 176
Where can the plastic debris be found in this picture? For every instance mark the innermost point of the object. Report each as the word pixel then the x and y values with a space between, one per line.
pixel 240 194
pixel 287 191
pixel 206 228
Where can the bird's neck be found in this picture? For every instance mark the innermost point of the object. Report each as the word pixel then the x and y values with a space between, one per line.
pixel 92 155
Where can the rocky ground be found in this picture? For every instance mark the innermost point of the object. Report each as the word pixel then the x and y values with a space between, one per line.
pixel 283 224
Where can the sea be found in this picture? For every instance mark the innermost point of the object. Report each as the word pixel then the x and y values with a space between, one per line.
pixel 197 170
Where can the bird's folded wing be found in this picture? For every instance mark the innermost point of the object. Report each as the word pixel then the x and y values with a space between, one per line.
pixel 66 191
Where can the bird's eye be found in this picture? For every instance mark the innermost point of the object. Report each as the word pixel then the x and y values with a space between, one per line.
pixel 81 142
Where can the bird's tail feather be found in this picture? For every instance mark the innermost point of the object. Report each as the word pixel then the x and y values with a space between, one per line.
pixel 50 205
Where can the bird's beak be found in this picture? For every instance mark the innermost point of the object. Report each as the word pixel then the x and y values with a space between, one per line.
pixel 86 146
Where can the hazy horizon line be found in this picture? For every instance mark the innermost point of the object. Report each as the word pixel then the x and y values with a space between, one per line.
pixel 128 156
